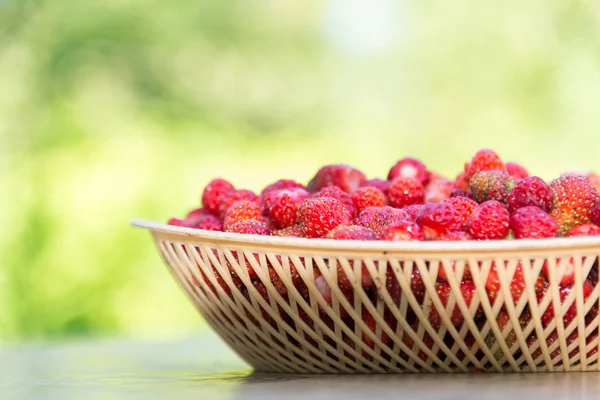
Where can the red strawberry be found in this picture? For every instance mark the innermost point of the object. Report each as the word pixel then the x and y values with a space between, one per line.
pixel 584 230
pixel 372 325
pixel 568 276
pixel 571 313
pixel 208 223
pixel 489 221
pixel 231 197
pixel 291 231
pixel 241 211
pixel 405 192
pixel 325 291
pixel 403 231
pixel 491 185
pixel 409 342
pixel 461 182
pixel 466 272
pixel 592 176
pixel 438 190
pixel 393 286
pixel 530 191
pixel 573 200
pixel 368 197
pixel 461 193
pixel 464 206
pixel 196 213
pixel 409 168
pixel 595 213
pixel 343 176
pixel 250 227
pixel 351 232
pixel 378 218
pixel 456 236
pixel 517 171
pixel 338 194
pixel 377 183
pixel 281 206
pixel 417 287
pixel 213 194
pixel 533 223
pixel 517 283
pixel 503 320
pixel 179 222
pixel 281 184
pixel 483 160
pixel 437 219
pixel 413 211
pixel 467 290
pixel 320 215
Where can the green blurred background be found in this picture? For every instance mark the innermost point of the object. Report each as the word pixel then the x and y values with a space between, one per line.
pixel 120 109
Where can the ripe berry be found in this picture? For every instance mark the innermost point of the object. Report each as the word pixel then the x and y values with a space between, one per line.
pixel 403 231
pixel 351 232
pixel 380 184
pixel 584 230
pixel 574 197
pixel 530 191
pixel 567 277
pixel 338 194
pixel 413 211
pixel 517 283
pixel 571 313
pixel 438 190
pixel 320 215
pixel 291 231
pixel 491 185
pixel 178 222
pixel 231 197
pixel 483 160
pixel 213 194
pixel 250 227
pixel 489 221
pixel 456 236
pixel 437 219
pixel 343 176
pixel 409 168
pixel 405 192
pixel 467 290
pixel 368 197
pixel 281 184
pixel 517 171
pixel 595 213
pixel 379 218
pixel 461 182
pixel 281 206
pixel 241 211
pixel 464 206
pixel 533 223
pixel 208 223
pixel 195 214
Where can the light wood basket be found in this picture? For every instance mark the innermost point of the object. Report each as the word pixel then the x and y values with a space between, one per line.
pixel 291 327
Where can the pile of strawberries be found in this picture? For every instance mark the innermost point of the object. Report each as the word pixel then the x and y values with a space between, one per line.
pixel 488 200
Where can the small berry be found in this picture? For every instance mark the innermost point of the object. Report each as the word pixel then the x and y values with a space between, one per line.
pixel 517 171
pixel 491 185
pixel 338 194
pixel 438 190
pixel 456 236
pixel 464 206
pixel 594 177
pixel 378 218
pixel 343 176
pixel 461 182
pixel 437 219
pixel 568 276
pixel 533 223
pixel 489 221
pixel 461 193
pixel 281 184
pixel 574 197
pixel 368 197
pixel 378 183
pixel 241 211
pixel 484 160
pixel 530 191
pixel 403 231
pixel 351 232
pixel 413 211
pixel 584 230
pixel 195 214
pixel 467 290
pixel 409 168
pixel 595 213
pixel 250 227
pixel 405 192
pixel 320 215
pixel 291 231
pixel 281 206
pixel 571 313
pixel 231 197
pixel 178 222
pixel 213 194
pixel 517 283
pixel 208 223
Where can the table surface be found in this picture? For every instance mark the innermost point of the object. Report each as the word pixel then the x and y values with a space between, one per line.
pixel 203 367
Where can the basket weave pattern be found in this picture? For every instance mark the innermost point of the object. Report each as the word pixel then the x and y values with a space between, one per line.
pixel 263 296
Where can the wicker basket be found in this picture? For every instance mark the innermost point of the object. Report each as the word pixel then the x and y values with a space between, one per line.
pixel 322 306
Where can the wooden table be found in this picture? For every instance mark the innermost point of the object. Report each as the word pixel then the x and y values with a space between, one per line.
pixel 202 367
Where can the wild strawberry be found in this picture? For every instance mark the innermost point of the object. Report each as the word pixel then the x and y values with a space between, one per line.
pixel 403 231
pixel 405 192
pixel 369 320
pixel 467 290
pixel 461 193
pixel 491 185
pixel 417 286
pixel 571 313
pixel 343 176
pixel 484 160
pixel 281 206
pixel 368 197
pixel 241 211
pixel 533 223
pixel 567 277
pixel 409 168
pixel 461 182
pixel 195 214
pixel 437 219
pixel 413 211
pixel 592 176
pixel 231 197
pixel 437 190
pixel 573 200
pixel 378 218
pixel 250 227
pixel 517 171
pixel 281 184
pixel 584 230
pixel 464 206
pixel 595 213
pixel 466 276
pixel 213 194
pixel 377 183
pixel 530 191
pixel 325 291
pixel 489 221
pixel 503 320
pixel 179 222
pixel 455 236
pixel 393 286
pixel 291 231
pixel 517 283
pixel 351 232
pixel 320 215
pixel 338 194
pixel 209 223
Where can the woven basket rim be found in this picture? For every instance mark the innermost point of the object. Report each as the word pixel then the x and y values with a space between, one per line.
pixel 576 243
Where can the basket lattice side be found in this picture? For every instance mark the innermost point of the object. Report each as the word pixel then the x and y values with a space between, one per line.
pixel 334 311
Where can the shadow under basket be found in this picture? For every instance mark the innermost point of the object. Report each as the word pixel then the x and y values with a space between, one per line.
pixel 323 306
